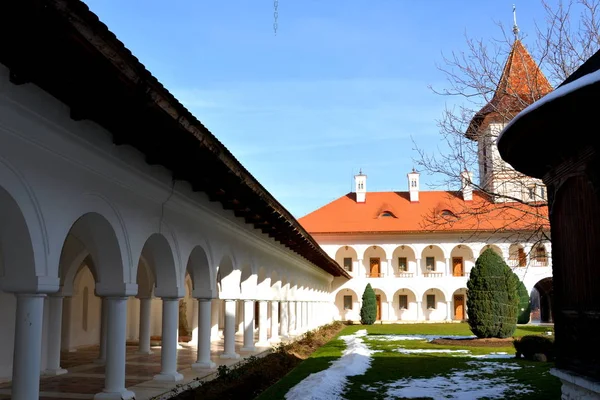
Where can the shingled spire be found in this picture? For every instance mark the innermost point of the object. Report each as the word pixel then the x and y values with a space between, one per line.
pixel 522 83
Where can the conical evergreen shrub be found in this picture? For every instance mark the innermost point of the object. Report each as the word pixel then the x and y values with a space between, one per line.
pixel 524 304
pixel 492 297
pixel 368 311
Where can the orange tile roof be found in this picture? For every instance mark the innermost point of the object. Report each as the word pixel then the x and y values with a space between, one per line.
pixel 522 83
pixel 345 215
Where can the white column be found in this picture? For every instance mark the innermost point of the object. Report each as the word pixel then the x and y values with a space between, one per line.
pixel 448 310
pixel 204 332
pixel 390 305
pixel 249 325
pixel 292 317
pixel 239 316
pixel 114 381
pixel 145 321
pixel 448 270
pixel 418 269
pixel 262 324
pixel 55 304
pixel 103 335
pixel 390 268
pixel 359 268
pixel 274 321
pixel 27 346
pixel 284 325
pixel 170 326
pixel 419 310
pixel 194 326
pixel 305 316
pixel 66 326
pixel 229 331
pixel 299 317
pixel 215 311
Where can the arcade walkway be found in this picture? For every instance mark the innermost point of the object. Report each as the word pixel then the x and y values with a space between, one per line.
pixel 85 378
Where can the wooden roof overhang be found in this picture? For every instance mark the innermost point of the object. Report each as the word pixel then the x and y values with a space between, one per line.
pixel 62 47
pixel 558 129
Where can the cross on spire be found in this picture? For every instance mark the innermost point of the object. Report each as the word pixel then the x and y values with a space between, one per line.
pixel 515 26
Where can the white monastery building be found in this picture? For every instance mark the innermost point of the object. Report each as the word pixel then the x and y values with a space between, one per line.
pixel 125 220
pixel 416 248
pixel 116 203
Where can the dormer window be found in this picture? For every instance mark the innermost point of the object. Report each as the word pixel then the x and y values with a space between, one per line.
pixel 447 214
pixel 387 214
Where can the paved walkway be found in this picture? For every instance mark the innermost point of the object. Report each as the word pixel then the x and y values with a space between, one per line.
pixel 85 378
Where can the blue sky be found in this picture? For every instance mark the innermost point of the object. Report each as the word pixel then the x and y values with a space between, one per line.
pixel 343 85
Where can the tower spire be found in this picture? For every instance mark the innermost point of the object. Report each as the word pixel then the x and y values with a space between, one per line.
pixel 515 26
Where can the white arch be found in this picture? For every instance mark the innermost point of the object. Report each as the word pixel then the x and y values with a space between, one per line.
pixel 35 274
pixel 159 256
pixel 202 273
pixel 122 278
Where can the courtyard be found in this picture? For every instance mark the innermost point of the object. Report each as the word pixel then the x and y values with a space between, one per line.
pixel 410 362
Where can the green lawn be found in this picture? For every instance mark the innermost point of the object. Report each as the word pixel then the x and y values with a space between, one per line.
pixel 390 366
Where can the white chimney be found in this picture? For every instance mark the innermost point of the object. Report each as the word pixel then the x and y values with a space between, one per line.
pixel 466 183
pixel 360 182
pixel 413 185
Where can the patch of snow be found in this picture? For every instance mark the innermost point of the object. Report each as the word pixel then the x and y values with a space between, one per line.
pixel 331 382
pixel 402 350
pixel 493 367
pixel 429 338
pixel 499 354
pixel 459 384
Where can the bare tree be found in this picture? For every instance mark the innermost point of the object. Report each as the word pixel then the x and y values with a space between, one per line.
pixel 492 81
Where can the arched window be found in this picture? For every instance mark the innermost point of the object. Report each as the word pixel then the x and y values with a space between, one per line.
pixel 387 214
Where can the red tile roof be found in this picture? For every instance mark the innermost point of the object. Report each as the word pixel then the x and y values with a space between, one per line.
pixel 436 211
pixel 522 83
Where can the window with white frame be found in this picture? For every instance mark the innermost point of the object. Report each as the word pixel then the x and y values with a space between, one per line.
pixel 431 302
pixel 403 302
pixel 348 302
pixel 430 264
pixel 348 264
pixel 402 264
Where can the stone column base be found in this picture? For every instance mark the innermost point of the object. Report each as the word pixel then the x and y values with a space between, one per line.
pixel 232 356
pixel 200 366
pixel 575 386
pixel 124 395
pixel 168 377
pixel 55 372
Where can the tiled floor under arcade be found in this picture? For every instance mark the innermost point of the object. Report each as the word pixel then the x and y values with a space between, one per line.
pixel 86 378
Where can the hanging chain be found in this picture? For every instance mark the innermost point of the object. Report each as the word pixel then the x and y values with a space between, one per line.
pixel 275 15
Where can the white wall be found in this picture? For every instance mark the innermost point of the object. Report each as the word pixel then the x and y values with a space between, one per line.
pixel 82 335
pixel 443 246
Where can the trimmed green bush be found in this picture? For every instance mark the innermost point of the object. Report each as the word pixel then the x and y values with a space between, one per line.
pixel 529 345
pixel 368 311
pixel 524 304
pixel 492 297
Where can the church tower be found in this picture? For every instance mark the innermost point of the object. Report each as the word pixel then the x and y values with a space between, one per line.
pixel 521 83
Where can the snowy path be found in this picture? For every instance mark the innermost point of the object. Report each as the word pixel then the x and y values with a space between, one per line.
pixel 330 383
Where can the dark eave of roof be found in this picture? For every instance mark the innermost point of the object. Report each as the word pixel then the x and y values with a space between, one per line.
pixel 556 129
pixel 62 47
